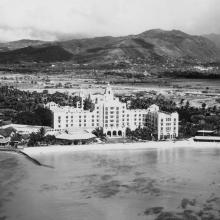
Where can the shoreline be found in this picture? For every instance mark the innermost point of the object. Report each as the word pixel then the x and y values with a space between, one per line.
pixel 119 146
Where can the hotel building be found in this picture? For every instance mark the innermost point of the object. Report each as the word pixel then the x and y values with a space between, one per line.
pixel 111 115
pixel 165 125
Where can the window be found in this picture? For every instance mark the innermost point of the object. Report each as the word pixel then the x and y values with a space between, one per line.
pixel 66 116
pixel 71 116
pixel 106 121
pixel 59 117
pixel 66 125
pixel 117 108
pixel 59 126
pixel 71 125
pixel 111 112
pixel 92 124
pixel 106 117
pixel 112 108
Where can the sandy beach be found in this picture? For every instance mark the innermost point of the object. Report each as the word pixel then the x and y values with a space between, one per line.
pixel 119 146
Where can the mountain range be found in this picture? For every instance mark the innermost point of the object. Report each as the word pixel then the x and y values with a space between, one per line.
pixel 148 47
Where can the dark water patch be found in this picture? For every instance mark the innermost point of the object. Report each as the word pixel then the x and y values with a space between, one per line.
pixel 3 217
pixel 190 211
pixel 106 177
pixel 144 185
pixel 185 202
pixel 107 189
pixel 153 210
pixel 47 187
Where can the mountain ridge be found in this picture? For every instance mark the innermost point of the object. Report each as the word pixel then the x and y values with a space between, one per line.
pixel 151 46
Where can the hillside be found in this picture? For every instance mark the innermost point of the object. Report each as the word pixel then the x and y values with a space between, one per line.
pixel 47 53
pixel 151 47
pixel 215 38
pixel 13 45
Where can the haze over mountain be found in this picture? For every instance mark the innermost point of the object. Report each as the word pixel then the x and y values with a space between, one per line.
pixel 150 47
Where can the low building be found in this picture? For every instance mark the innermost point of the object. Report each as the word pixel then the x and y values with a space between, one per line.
pixel 75 136
pixel 25 129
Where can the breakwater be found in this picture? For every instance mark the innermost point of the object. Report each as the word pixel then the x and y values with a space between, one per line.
pixel 33 160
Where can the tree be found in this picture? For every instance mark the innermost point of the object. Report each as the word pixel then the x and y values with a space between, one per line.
pixel 45 116
pixel 27 118
pixel 203 105
pixel 88 104
pixel 98 132
pixel 34 139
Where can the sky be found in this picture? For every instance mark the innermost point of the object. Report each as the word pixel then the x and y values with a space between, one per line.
pixel 64 19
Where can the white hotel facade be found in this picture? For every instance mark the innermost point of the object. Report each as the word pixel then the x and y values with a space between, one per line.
pixel 114 117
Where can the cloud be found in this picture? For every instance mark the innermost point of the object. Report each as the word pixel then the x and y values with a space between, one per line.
pixel 52 19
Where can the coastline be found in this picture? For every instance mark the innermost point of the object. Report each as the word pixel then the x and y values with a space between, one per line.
pixel 118 146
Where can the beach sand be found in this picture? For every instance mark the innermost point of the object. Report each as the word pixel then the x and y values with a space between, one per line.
pixel 119 146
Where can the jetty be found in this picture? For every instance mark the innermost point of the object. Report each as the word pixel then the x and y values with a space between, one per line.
pixel 33 160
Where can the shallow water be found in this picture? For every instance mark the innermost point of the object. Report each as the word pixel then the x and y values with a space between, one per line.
pixel 106 185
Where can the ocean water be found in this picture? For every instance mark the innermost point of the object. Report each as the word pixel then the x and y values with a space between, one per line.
pixel 108 185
